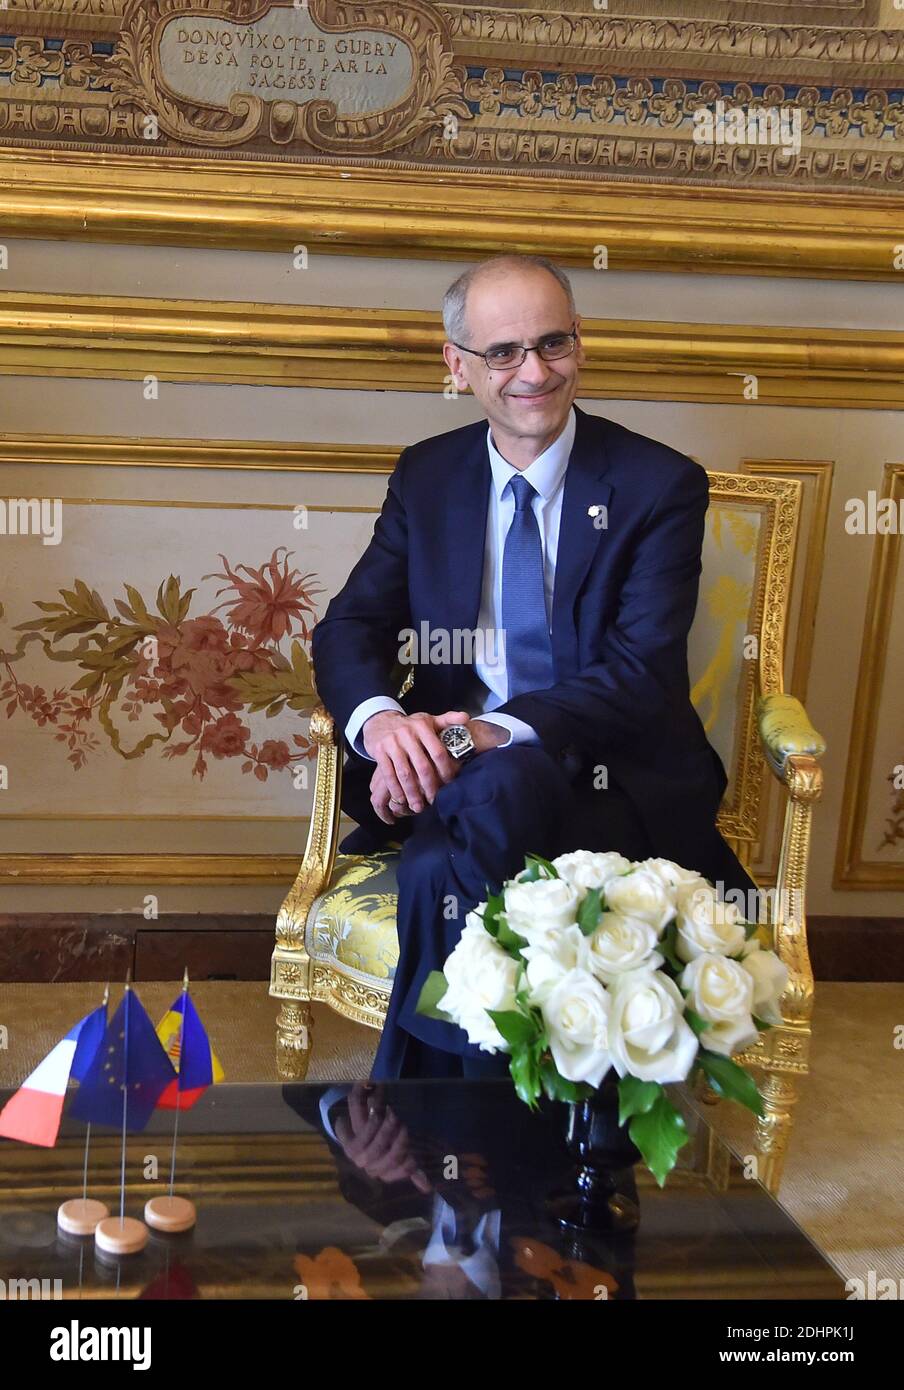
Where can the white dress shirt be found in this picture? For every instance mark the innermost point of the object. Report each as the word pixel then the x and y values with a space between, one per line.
pixel 547 476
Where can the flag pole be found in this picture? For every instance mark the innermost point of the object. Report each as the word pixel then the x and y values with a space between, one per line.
pixel 125 1102
pixel 79 1216
pixel 181 1073
pixel 174 1214
pixel 125 1236
pixel 104 1003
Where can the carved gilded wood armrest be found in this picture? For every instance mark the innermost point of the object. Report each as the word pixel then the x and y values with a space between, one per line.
pixel 792 748
pixel 320 850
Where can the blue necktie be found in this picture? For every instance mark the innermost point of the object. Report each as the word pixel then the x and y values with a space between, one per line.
pixel 528 650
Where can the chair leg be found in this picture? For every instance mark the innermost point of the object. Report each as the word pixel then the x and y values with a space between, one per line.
pixel 294 1029
pixel 773 1128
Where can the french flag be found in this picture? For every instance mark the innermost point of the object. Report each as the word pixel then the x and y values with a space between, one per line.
pixel 33 1114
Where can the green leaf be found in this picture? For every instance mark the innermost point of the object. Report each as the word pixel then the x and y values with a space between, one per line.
pixel 301 663
pixel 694 1021
pixel 79 599
pixel 533 864
pixel 667 947
pixel 557 1088
pixel 508 938
pixel 659 1134
pixel 169 599
pixel 139 607
pixel 89 682
pixel 590 911
pixel 491 914
pixel 495 923
pixel 525 1069
pixel 636 1097
pixel 34 625
pixel 432 990
pixel 730 1080
pixel 517 1029
pixel 126 638
pixel 762 1025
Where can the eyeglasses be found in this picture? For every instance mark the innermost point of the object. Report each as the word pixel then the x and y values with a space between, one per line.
pixel 550 348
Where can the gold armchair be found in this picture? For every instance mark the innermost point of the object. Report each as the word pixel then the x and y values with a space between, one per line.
pixel 335 933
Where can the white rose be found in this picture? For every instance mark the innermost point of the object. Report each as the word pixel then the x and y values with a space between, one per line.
pixel 553 955
pixel 480 976
pixel 576 1012
pixel 770 980
pixel 672 874
pixel 541 905
pixel 642 894
pixel 620 944
pixel 587 869
pixel 648 1035
pixel 706 925
pixel 721 992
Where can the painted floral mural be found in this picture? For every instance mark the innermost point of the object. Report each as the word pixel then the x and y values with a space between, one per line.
pixel 894 825
pixel 193 680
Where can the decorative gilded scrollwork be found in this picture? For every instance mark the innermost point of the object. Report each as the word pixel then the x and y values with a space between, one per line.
pixel 435 94
pixel 135 79
pixel 433 91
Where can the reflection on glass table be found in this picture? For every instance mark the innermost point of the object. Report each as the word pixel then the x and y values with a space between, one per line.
pixel 419 1189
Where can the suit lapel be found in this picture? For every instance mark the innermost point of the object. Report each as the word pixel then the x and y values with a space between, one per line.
pixel 465 527
pixel 579 538
pixel 465 523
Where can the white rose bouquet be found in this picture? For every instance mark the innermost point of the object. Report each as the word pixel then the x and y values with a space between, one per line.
pixel 592 962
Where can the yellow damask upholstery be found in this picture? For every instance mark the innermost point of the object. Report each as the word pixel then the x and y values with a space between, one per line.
pixel 725 615
pixel 336 936
pixel 354 922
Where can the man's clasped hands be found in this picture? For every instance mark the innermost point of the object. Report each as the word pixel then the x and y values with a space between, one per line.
pixel 412 760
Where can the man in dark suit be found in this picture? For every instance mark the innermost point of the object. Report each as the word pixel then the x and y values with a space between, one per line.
pixel 546 564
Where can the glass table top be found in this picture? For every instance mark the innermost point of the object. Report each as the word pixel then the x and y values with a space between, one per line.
pixel 418 1189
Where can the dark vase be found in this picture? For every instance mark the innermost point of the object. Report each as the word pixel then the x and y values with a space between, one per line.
pixel 604 1196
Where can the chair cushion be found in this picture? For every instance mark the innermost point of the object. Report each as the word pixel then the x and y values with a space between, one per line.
pixel 353 924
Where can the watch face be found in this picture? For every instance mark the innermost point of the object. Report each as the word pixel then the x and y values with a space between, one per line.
pixel 457 740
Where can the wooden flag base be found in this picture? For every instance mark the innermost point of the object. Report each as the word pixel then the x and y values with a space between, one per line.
pixel 80 1215
pixel 171 1214
pixel 124 1236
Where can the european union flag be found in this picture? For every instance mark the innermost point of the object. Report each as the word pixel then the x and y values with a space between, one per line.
pixel 129 1068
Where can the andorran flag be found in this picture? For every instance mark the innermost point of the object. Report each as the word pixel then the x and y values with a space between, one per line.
pixel 128 1073
pixel 188 1047
pixel 33 1114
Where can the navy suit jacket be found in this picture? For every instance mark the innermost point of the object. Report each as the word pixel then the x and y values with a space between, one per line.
pixel 624 600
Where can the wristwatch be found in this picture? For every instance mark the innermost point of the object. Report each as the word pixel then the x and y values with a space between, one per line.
pixel 459 742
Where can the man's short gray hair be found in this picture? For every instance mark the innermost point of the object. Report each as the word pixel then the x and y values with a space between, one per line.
pixel 455 300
